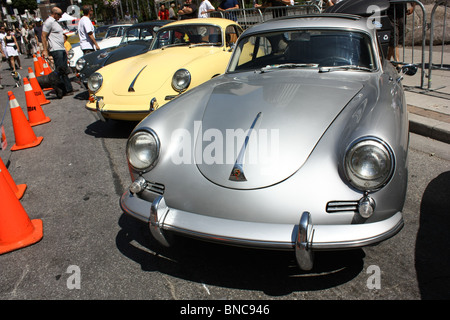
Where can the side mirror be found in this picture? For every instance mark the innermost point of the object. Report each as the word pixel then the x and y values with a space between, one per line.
pixel 409 69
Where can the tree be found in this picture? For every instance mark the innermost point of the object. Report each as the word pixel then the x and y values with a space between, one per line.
pixel 21 5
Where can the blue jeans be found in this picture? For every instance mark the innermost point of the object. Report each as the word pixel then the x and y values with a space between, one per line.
pixel 60 60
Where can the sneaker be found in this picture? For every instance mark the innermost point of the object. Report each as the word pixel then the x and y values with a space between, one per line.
pixel 1 87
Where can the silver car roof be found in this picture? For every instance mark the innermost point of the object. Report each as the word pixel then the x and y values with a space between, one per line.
pixel 339 21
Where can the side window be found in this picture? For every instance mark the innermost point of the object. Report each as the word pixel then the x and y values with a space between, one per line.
pixel 264 48
pixel 252 49
pixel 231 35
pixel 131 35
pixel 146 34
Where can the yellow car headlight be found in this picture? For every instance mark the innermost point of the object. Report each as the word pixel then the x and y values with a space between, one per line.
pixel 95 82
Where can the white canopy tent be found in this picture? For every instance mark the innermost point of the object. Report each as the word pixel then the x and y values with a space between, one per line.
pixel 66 17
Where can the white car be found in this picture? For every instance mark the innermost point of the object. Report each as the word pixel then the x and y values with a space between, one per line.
pixel 111 39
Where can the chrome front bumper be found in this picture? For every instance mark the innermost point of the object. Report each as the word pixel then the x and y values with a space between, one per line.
pixel 303 238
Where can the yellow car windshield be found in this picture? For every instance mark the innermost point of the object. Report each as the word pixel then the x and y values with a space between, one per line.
pixel 188 35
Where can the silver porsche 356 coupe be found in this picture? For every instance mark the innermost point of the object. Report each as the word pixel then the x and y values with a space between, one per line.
pixel 301 145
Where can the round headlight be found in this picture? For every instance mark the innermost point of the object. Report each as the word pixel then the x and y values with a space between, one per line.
pixel 80 64
pixel 70 54
pixel 181 80
pixel 143 150
pixel 369 164
pixel 95 82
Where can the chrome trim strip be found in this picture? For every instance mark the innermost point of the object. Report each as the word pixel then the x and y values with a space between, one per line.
pixel 131 87
pixel 237 173
pixel 359 243
pixel 341 206
pixel 247 243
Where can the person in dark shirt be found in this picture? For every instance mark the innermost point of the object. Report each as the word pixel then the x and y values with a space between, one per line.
pixel 188 10
pixel 226 5
pixel 38 33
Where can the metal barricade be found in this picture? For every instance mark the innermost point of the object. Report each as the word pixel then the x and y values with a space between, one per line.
pixel 408 36
pixel 251 16
pixel 413 37
pixel 277 12
pixel 441 65
pixel 245 17
pixel 416 34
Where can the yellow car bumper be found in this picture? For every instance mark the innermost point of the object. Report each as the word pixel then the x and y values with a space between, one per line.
pixel 132 112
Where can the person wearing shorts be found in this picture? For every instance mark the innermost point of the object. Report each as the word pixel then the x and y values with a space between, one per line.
pixel 397 13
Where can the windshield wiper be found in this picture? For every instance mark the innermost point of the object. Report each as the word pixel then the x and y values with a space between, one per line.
pixel 204 44
pixel 288 66
pixel 349 67
pixel 174 45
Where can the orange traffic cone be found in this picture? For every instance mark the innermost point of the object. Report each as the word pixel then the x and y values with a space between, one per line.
pixel 36 88
pixel 18 190
pixel 35 114
pixel 25 137
pixel 46 67
pixel 38 70
pixel 16 228
pixel 40 59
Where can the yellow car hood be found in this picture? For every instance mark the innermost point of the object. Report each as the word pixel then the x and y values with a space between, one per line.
pixel 145 74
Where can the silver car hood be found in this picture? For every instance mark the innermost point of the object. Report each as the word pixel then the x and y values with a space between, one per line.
pixel 281 117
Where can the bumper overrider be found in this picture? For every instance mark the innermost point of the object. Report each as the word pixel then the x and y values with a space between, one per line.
pixel 304 238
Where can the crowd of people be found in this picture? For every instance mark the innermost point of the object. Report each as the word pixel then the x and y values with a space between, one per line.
pixel 190 10
pixel 25 39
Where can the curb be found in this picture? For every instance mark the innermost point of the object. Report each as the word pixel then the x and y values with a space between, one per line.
pixel 429 127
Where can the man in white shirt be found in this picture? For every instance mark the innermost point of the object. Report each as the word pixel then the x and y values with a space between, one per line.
pixel 86 32
pixel 205 8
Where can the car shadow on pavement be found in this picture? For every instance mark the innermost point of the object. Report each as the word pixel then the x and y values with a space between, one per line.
pixel 432 255
pixel 110 129
pixel 274 272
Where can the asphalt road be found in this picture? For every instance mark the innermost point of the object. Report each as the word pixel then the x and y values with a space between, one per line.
pixel 91 250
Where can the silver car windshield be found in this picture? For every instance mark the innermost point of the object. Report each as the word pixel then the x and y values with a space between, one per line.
pixel 188 35
pixel 324 49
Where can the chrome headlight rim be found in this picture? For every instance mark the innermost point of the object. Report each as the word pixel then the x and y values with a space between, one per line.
pixel 387 165
pixel 181 80
pixel 80 64
pixel 95 82
pixel 70 54
pixel 133 158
